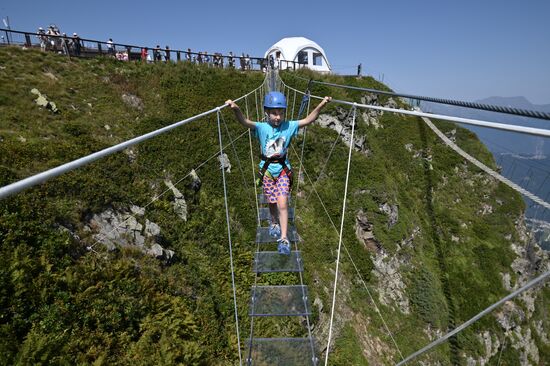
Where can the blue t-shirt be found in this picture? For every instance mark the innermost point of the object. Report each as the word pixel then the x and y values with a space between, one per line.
pixel 275 141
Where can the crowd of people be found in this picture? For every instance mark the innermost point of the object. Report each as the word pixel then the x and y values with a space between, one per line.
pixel 53 40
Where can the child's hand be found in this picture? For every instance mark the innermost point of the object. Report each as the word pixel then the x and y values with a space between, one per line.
pixel 326 100
pixel 231 104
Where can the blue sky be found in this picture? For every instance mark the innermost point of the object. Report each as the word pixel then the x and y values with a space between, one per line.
pixel 449 49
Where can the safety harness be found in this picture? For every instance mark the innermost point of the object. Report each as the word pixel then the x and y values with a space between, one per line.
pixel 281 159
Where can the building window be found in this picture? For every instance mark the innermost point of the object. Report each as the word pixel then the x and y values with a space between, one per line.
pixel 317 59
pixel 302 57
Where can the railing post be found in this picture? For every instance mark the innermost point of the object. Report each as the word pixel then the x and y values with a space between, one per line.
pixel 27 40
pixel 99 48
pixel 178 56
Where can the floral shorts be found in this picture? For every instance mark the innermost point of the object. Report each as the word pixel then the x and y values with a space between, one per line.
pixel 276 188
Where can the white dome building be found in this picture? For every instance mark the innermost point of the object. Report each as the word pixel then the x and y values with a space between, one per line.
pixel 304 52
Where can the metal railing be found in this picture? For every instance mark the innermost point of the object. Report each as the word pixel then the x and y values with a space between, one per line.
pixel 84 47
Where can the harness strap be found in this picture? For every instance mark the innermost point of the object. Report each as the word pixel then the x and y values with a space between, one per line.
pixel 281 159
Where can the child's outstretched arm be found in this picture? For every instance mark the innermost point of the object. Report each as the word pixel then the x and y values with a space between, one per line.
pixel 239 115
pixel 314 113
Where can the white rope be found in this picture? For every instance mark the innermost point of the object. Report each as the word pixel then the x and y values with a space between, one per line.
pixel 475 122
pixel 484 167
pixel 530 284
pixel 252 163
pixel 340 239
pixel 230 244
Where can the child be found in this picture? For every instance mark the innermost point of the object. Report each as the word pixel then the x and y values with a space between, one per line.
pixel 275 172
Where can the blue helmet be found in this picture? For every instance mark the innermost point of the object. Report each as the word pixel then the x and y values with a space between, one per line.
pixel 275 99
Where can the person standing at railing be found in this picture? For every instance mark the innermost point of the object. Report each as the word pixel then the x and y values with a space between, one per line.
pixel 243 65
pixel 188 55
pixel 76 45
pixel 156 54
pixel 231 60
pixel 167 54
pixel 41 35
pixel 144 53
pixel 110 47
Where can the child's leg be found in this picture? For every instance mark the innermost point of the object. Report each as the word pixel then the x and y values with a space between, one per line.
pixel 270 193
pixel 283 191
pixel 282 205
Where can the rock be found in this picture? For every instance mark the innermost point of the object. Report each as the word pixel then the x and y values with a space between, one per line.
pixel 179 204
pixel 318 303
pixel 131 153
pixel 364 232
pixel 156 251
pixel 115 229
pixel 409 147
pixel 485 209
pixel 151 229
pixel 224 162
pixel 107 127
pixel 22 139
pixel 196 183
pixel 391 212
pixel 132 101
pixel 136 210
pixel 342 125
pixel 391 103
pixel 42 101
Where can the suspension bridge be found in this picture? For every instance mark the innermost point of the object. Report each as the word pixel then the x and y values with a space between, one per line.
pixel 283 301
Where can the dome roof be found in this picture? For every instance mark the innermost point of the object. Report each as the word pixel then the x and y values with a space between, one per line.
pixel 290 46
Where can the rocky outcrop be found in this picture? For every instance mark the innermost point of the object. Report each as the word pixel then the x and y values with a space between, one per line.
pixel 514 316
pixel 116 229
pixel 179 205
pixel 364 232
pixel 224 162
pixel 42 101
pixel 387 268
pixel 341 123
pixel 132 101
pixel 392 211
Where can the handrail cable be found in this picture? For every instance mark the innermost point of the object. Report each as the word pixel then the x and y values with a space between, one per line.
pixel 475 122
pixel 440 340
pixel 351 259
pixel 218 110
pixel 28 182
pixel 472 105
pixel 340 239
